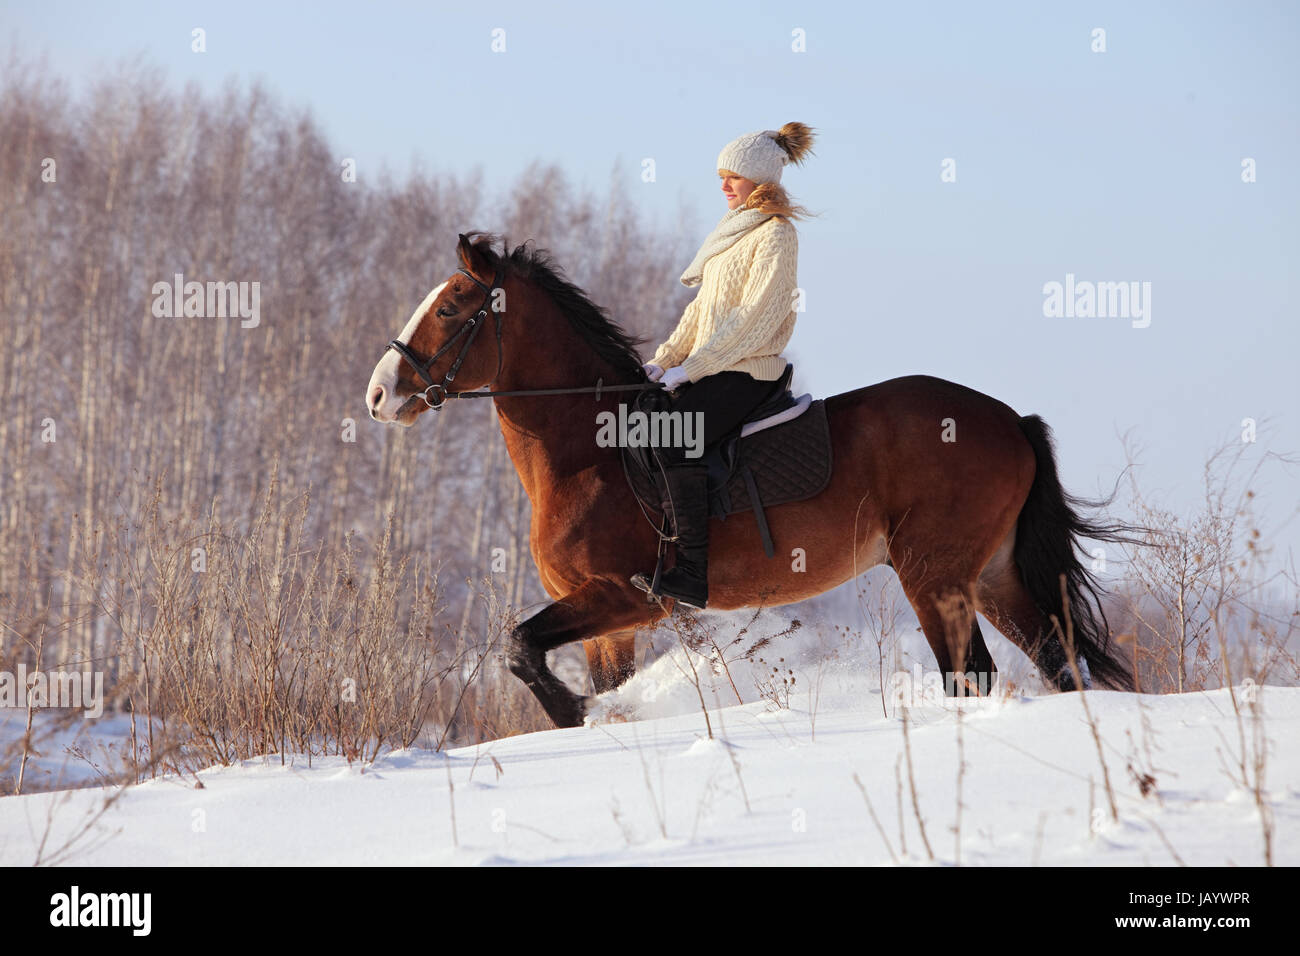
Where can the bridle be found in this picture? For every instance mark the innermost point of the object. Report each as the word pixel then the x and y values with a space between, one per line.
pixel 472 325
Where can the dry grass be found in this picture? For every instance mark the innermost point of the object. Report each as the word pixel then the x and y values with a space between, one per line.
pixel 1202 599
pixel 240 642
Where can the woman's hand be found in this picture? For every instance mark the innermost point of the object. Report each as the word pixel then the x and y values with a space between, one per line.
pixel 653 372
pixel 674 377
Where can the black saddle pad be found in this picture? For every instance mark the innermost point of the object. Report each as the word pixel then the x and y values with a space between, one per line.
pixel 787 462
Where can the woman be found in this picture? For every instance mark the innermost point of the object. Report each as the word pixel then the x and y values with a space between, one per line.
pixel 724 356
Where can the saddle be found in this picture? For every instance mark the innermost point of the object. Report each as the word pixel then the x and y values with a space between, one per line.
pixel 780 453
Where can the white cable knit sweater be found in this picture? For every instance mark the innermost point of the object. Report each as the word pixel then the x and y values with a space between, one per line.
pixel 744 313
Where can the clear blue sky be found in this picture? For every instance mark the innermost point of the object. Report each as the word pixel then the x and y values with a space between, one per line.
pixel 1114 166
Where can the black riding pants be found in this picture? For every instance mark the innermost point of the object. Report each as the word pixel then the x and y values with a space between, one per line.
pixel 725 399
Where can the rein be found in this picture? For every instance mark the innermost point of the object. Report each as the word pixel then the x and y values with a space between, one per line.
pixel 472 325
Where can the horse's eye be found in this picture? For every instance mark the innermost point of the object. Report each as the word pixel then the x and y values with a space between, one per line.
pixel 446 312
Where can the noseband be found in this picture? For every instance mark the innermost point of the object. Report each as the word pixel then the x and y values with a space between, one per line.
pixel 472 325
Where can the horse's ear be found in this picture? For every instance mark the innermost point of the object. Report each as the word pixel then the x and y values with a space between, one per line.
pixel 470 257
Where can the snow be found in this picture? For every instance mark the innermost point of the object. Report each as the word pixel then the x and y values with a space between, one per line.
pixel 69 751
pixel 774 786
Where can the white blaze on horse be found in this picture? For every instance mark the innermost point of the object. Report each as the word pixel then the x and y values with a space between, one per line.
pixel 381 394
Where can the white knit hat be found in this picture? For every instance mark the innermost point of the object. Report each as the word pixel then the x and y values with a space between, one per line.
pixel 756 156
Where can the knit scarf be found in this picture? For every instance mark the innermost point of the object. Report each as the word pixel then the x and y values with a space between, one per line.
pixel 729 230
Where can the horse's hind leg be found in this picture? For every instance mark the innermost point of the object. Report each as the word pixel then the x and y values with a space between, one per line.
pixel 979 662
pixel 1007 604
pixel 611 659
pixel 946 609
pixel 947 617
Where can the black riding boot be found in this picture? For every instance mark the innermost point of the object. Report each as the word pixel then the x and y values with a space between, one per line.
pixel 688 580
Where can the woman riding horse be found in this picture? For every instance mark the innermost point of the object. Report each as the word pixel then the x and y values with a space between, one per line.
pixel 725 353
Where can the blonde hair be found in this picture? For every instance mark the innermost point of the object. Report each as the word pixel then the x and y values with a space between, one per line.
pixel 772 199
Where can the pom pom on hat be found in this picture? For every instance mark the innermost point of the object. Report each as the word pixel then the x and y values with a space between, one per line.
pixel 761 156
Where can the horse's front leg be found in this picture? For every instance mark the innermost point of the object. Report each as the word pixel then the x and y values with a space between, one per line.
pixel 596 608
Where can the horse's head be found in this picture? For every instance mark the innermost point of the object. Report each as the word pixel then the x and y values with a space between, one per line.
pixel 451 343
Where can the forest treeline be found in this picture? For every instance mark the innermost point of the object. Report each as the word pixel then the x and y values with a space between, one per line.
pixel 130 440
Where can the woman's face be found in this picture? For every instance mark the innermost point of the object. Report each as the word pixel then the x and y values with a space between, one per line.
pixel 735 188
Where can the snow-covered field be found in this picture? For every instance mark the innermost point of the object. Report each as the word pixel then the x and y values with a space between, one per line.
pixel 775 785
pixel 66 753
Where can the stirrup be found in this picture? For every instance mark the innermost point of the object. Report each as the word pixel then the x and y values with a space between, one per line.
pixel 654 594
pixel 650 585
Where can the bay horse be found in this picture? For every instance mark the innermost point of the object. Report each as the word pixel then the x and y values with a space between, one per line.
pixel 953 489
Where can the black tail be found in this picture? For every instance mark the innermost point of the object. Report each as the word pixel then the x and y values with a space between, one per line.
pixel 1047 546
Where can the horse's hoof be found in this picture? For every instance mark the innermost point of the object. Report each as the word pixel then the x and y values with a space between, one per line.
pixel 575 714
pixel 608 712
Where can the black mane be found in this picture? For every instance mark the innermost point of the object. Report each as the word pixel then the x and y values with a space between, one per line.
pixel 606 338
